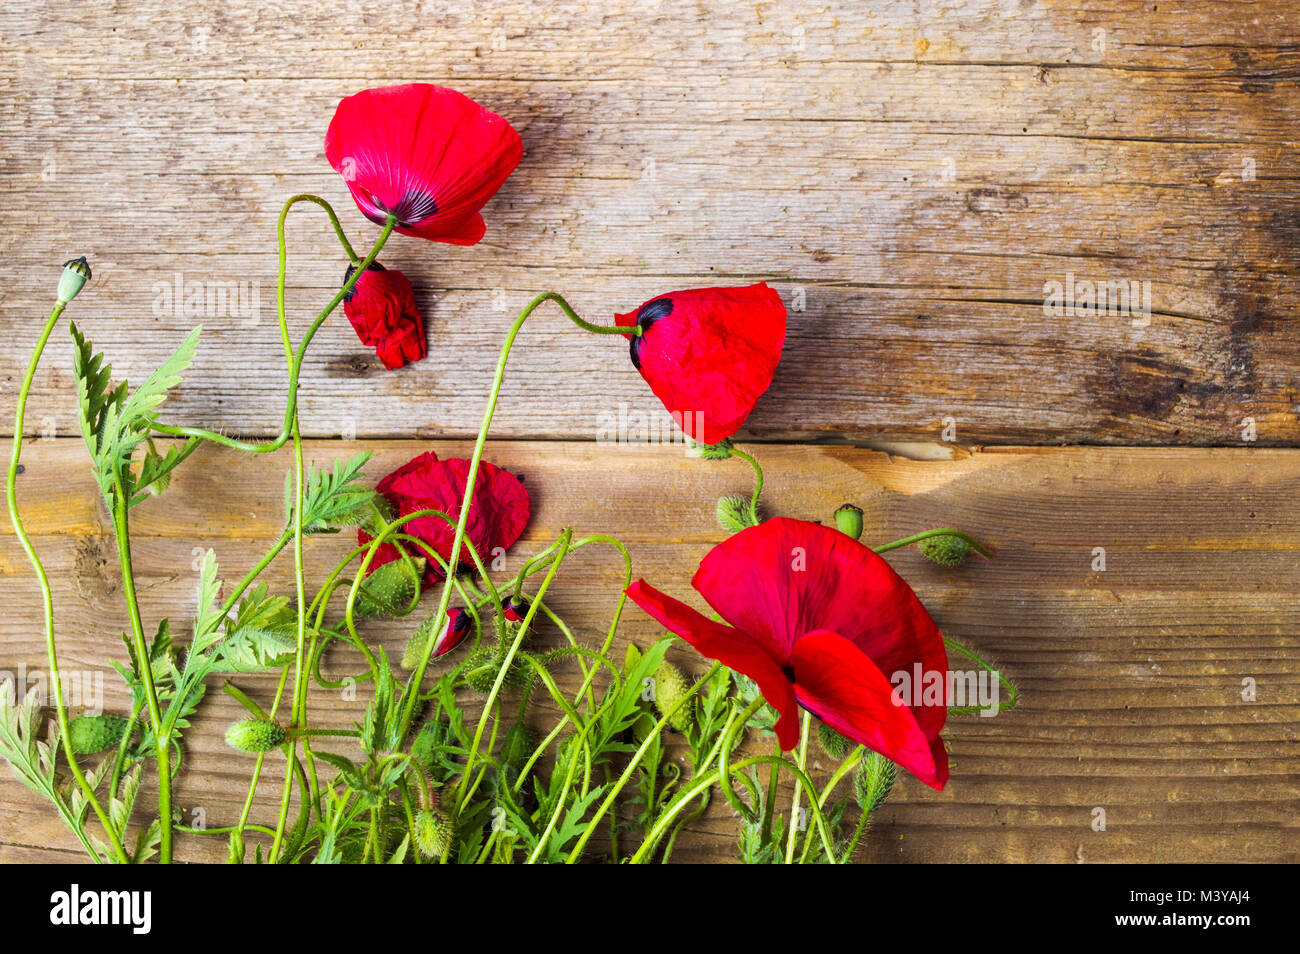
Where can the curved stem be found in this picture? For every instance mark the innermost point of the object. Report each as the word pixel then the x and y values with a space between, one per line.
pixel 938 532
pixel 417 677
pixel 505 663
pixel 697 786
pixel 11 497
pixel 637 756
pixel 798 790
pixel 295 367
pixel 144 664
pixel 728 740
pixel 334 221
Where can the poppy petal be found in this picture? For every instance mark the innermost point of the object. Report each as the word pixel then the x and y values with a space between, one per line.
pixel 429 155
pixel 497 515
pixel 784 578
pixel 728 646
pixel 709 354
pixel 840 685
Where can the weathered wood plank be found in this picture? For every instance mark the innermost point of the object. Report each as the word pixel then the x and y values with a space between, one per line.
pixel 912 174
pixel 1131 677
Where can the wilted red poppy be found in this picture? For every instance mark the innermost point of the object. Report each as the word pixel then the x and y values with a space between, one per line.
pixel 429 155
pixel 381 307
pixel 497 516
pixel 709 354
pixel 819 620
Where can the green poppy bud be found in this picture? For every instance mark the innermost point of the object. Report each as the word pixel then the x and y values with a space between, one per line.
pixel 734 514
pixel 946 549
pixel 76 273
pixel 834 744
pixel 89 734
pixel 429 737
pixel 671 685
pixel 718 451
pixel 481 671
pixel 255 735
pixel 432 834
pixel 389 590
pixel 848 520
pixel 873 781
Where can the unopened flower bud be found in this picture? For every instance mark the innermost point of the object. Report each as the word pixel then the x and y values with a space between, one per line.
pixel 426 741
pixel 671 687
pixel 834 744
pixel 481 671
pixel 89 734
pixel 718 451
pixel 76 273
pixel 255 735
pixel 432 834
pixel 873 781
pixel 482 668
pixel 946 549
pixel 516 609
pixel 734 514
pixel 848 520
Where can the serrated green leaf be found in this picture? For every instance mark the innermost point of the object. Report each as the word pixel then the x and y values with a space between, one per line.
pixel 149 395
pixel 263 635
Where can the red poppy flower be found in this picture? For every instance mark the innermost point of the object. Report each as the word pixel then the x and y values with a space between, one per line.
pixel 459 626
pixel 515 611
pixel 381 307
pixel 709 354
pixel 819 620
pixel 497 515
pixel 431 156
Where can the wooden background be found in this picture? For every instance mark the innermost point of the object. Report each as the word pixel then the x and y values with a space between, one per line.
pixel 910 176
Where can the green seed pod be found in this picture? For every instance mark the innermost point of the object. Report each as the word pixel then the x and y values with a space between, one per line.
pixel 432 834
pixel 834 744
pixel 734 514
pixel 75 275
pixel 389 590
pixel 670 687
pixel 848 520
pixel 718 451
pixel 90 734
pixel 481 671
pixel 946 549
pixel 255 735
pixel 873 781
pixel 429 737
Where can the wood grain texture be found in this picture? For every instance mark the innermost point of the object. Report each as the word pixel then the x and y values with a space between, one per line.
pixel 1131 678
pixel 908 174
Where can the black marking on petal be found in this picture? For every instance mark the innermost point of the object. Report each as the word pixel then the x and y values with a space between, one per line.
pixel 415 207
pixel 347 276
pixel 646 316
pixel 652 311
